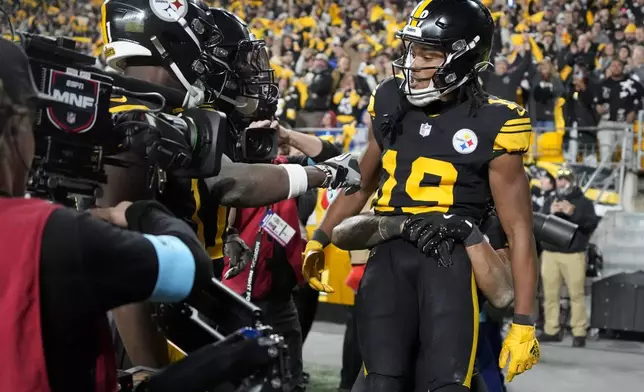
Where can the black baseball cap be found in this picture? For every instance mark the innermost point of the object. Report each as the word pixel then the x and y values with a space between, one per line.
pixel 17 79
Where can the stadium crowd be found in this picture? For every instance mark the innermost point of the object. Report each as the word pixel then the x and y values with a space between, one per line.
pixel 579 61
pixel 567 61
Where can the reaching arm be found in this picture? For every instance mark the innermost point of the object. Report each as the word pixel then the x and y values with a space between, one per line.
pixel 312 146
pixel 366 230
pixel 245 185
pixel 492 274
pixel 491 268
pixel 348 205
pixel 511 193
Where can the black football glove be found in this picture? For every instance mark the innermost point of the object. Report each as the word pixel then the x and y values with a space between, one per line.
pixel 434 234
pixel 239 254
pixel 167 142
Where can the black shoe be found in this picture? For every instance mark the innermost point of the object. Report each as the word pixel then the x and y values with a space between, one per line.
pixel 551 338
pixel 579 341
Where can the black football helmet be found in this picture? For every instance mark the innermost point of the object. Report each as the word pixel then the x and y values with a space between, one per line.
pixel 180 35
pixel 245 86
pixel 462 29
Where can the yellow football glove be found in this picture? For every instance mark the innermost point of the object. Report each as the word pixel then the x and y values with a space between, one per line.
pixel 522 348
pixel 313 266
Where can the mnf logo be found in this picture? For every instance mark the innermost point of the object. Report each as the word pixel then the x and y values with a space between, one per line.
pixel 78 102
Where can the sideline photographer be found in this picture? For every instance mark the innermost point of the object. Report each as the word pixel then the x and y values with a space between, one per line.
pixel 62 270
pixel 567 264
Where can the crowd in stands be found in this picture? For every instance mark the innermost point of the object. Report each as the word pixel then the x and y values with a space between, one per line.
pixel 567 61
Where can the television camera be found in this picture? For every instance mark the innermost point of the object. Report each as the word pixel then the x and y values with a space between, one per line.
pixel 553 229
pixel 76 136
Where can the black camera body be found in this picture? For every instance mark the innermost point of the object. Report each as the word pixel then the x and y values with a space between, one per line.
pixel 73 134
pixel 76 135
pixel 258 144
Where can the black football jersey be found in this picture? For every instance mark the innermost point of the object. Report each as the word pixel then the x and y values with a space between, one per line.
pixel 439 163
pixel 187 198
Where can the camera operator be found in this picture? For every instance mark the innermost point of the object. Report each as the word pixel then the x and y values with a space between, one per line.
pixel 541 193
pixel 567 264
pixel 277 270
pixel 235 78
pixel 62 270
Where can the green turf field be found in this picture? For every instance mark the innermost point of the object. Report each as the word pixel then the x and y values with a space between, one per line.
pixel 323 378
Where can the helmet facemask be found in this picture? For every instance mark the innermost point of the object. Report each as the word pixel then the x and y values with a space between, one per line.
pixel 247 79
pixel 447 76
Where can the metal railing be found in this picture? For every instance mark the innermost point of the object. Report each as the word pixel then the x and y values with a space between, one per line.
pixel 605 175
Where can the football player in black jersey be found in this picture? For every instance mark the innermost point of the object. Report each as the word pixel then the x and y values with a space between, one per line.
pixel 208 55
pixel 490 266
pixel 438 145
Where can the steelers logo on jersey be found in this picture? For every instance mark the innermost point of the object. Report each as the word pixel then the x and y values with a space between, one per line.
pixel 465 141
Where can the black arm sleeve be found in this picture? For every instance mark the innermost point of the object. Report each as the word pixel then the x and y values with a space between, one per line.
pixel 329 150
pixel 115 266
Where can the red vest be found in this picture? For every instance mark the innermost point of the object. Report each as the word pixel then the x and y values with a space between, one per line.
pixel 247 222
pixel 22 363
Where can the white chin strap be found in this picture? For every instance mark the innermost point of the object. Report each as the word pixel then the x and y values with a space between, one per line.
pixel 243 105
pixel 424 96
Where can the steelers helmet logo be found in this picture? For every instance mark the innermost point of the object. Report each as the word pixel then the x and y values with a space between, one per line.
pixel 169 10
pixel 465 141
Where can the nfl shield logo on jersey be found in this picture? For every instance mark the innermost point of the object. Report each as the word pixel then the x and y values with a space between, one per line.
pixel 465 141
pixel 425 130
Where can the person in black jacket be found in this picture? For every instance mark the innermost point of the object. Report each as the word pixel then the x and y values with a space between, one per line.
pixel 505 78
pixel 567 265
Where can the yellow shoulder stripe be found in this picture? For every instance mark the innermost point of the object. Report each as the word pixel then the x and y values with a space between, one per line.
pixel 517 121
pixel 516 128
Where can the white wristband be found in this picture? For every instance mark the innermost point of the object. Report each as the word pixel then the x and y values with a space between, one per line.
pixel 298 180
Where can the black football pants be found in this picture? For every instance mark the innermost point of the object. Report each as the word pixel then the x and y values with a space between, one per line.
pixel 417 321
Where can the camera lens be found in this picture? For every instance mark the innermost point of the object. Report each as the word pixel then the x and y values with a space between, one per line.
pixel 260 145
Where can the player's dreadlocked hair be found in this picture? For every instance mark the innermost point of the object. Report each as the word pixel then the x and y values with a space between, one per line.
pixel 392 126
pixel 473 91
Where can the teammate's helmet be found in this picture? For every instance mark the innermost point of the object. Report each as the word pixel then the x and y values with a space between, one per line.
pixel 180 35
pixel 246 84
pixel 462 29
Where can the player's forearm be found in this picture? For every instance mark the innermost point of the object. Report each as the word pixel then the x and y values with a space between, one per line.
pixel 523 257
pixel 492 274
pixel 243 185
pixel 366 231
pixel 344 206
